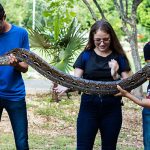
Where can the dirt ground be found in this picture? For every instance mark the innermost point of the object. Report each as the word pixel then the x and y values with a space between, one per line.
pixel 131 132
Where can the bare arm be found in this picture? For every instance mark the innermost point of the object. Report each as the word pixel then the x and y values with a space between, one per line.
pixel 140 101
pixel 61 89
pixel 125 74
pixel 78 72
pixel 147 61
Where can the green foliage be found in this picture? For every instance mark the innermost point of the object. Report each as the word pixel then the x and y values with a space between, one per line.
pixel 109 10
pixel 72 42
pixel 143 14
pixel 18 14
pixel 22 14
pixel 143 34
pixel 41 5
pixel 59 14
pixel 60 37
pixel 63 44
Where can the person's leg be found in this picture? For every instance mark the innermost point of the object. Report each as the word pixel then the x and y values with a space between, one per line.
pixel 110 126
pixel 18 117
pixel 146 128
pixel 87 125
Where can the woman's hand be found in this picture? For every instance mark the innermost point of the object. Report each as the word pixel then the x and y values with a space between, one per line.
pixel 60 89
pixel 113 64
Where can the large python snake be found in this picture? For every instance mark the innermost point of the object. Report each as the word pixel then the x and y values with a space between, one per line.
pixel 87 86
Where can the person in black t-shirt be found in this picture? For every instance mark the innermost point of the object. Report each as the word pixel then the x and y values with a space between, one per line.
pixel 106 62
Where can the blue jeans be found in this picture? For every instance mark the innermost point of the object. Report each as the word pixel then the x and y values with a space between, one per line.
pixel 18 117
pixel 146 128
pixel 98 113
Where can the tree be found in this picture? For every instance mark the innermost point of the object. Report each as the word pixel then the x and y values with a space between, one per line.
pixel 127 10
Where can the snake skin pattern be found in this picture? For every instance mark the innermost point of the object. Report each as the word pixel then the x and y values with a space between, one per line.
pixel 74 83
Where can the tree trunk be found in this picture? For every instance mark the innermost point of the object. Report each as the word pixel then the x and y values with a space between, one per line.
pixel 54 94
pixel 134 47
pixel 135 55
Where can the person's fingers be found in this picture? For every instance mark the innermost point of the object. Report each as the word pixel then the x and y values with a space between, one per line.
pixel 13 59
pixel 119 88
pixel 118 94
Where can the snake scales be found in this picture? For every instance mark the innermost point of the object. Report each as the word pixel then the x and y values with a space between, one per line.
pixel 87 86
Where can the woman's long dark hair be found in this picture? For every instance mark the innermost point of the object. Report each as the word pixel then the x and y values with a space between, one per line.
pixel 105 26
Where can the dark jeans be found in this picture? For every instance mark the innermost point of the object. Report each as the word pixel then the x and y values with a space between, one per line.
pixel 98 113
pixel 18 117
pixel 146 128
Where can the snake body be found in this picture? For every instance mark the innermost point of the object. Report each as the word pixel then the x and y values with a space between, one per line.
pixel 83 85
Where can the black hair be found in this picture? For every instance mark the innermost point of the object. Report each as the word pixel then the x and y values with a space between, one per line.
pixel 2 12
pixel 147 51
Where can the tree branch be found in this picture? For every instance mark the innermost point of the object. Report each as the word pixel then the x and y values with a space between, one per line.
pixel 126 8
pixel 122 15
pixel 99 9
pixel 90 9
pixel 135 5
pixel 121 7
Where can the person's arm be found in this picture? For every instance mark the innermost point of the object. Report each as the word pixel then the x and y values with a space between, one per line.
pixel 61 89
pixel 147 61
pixel 125 74
pixel 140 101
pixel 78 72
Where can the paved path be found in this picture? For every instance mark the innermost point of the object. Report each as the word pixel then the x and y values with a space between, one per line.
pixel 38 86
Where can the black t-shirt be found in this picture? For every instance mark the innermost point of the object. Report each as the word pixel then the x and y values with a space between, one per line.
pixel 96 67
pixel 146 50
